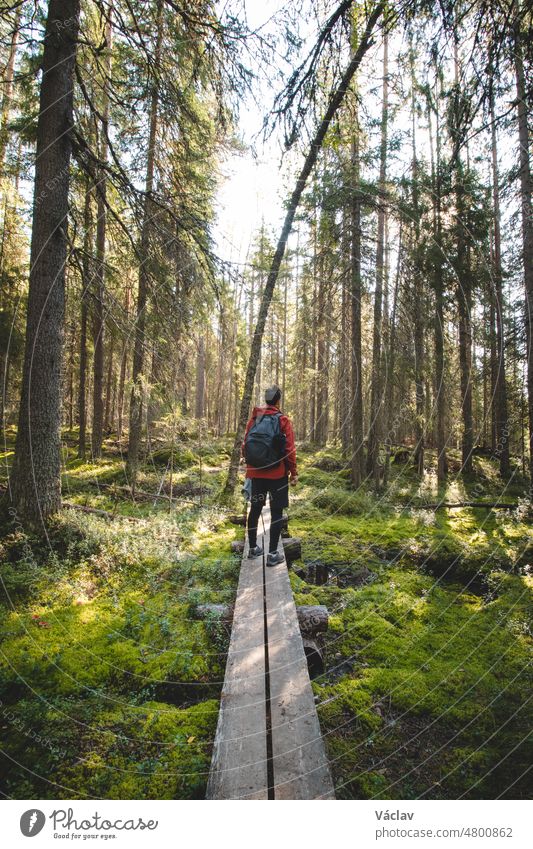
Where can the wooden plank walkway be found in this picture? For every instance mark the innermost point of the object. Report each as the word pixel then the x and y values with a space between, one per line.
pixel 268 743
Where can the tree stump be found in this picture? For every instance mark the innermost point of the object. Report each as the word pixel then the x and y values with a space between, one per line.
pixel 313 618
pixel 292 547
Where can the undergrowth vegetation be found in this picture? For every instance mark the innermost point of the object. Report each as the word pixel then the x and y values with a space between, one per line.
pixel 110 681
pixel 427 686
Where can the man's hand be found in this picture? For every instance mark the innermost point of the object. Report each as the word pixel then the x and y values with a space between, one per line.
pixel 294 480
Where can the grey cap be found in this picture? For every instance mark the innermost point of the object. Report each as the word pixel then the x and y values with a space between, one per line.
pixel 272 394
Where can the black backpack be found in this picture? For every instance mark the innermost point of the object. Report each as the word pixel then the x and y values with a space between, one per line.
pixel 264 445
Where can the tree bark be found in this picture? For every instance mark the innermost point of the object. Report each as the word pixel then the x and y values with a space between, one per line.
pixel 464 281
pixel 85 288
pixel 136 401
pixel 526 192
pixel 438 285
pixel 376 401
pixel 101 235
pixel 200 380
pixel 334 103
pixel 502 422
pixel 418 289
pixel 123 367
pixel 35 481
pixel 7 85
pixel 357 464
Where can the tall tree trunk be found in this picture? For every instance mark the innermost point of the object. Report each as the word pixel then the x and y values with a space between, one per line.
pixel 199 411
pixel 86 286
pixel 356 293
pixel 418 288
pixel 464 280
pixel 109 385
pixel 309 163
pixel 438 285
pixel 526 193
pixel 101 235
pixel 123 367
pixel 313 335
pixel 502 422
pixel 391 362
pixel 372 460
pixel 136 401
pixel 321 349
pixel 72 348
pixel 7 86
pixel 344 362
pixel 35 481
pixel 492 367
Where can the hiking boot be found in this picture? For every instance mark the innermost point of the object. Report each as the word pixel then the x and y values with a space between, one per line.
pixel 256 551
pixel 274 558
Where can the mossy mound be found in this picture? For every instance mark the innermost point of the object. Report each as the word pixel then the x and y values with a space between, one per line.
pixel 108 749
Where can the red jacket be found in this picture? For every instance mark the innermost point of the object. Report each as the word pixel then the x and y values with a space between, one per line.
pixel 288 464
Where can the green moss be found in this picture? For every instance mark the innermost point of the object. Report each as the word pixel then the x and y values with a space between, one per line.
pixel 115 751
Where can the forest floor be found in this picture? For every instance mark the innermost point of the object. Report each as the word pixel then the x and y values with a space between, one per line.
pixel 109 681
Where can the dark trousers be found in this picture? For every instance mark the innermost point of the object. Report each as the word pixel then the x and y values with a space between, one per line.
pixel 279 498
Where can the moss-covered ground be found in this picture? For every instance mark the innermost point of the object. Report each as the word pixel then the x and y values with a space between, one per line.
pixel 109 681
pixel 427 691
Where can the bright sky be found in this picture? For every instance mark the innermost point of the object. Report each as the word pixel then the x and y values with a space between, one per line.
pixel 252 187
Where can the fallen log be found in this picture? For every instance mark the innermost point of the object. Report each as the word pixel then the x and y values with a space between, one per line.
pixel 139 495
pixel 450 505
pixel 241 519
pixel 104 514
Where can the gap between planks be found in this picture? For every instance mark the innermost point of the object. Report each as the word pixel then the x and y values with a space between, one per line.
pixel 268 743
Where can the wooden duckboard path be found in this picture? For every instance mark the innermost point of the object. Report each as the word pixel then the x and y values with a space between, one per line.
pixel 268 743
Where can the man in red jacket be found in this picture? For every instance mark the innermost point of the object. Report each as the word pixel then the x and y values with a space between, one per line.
pixel 273 480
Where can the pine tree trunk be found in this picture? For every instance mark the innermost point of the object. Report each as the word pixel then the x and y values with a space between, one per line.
pixel 294 201
pixel 101 236
pixel 123 367
pixel 372 460
pixel 136 401
pixel 344 363
pixel 502 422
pixel 391 362
pixel 35 481
pixel 438 285
pixel 418 289
pixel 321 427
pixel 109 386
pixel 7 87
pixel 356 292
pixel 86 286
pixel 492 367
pixel 526 193
pixel 200 380
pixel 464 287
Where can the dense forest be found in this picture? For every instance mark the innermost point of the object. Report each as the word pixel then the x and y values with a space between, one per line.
pixel 391 299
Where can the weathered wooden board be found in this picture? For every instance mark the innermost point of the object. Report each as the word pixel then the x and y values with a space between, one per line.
pixel 301 769
pixel 267 705
pixel 239 762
